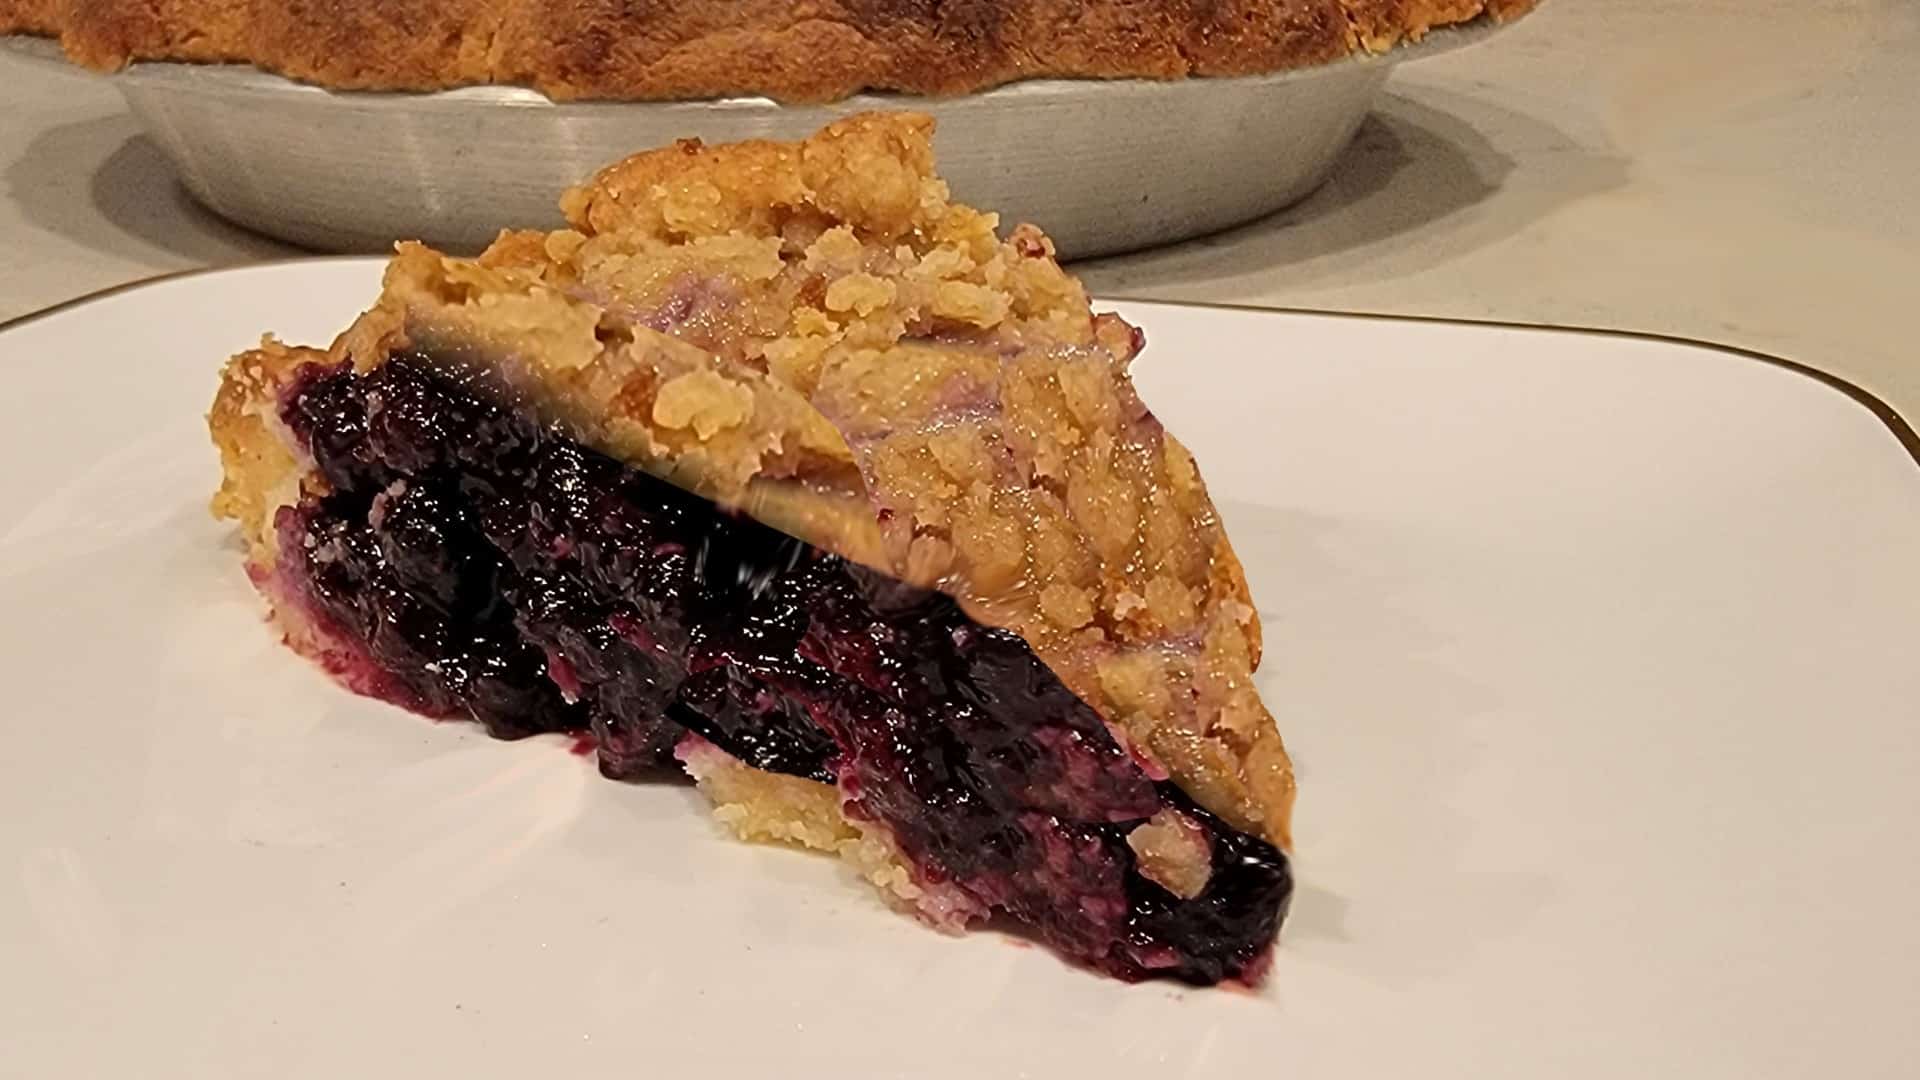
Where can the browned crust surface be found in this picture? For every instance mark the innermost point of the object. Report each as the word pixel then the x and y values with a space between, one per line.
pixel 30 16
pixel 797 50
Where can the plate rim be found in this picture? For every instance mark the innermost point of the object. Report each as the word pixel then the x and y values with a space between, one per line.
pixel 1897 425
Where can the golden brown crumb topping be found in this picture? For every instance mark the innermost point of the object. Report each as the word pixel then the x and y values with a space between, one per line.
pixel 813 51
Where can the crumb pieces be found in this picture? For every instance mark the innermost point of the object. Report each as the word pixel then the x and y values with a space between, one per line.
pixel 1174 853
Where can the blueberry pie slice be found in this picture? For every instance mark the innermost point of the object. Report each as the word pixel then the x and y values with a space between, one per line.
pixel 782 469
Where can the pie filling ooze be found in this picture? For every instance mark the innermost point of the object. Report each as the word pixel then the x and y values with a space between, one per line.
pixel 466 560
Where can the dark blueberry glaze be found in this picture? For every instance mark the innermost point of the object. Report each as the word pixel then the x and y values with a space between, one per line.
pixel 496 569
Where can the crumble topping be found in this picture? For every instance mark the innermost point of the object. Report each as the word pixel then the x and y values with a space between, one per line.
pixel 794 52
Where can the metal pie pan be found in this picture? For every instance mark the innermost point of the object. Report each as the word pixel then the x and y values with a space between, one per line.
pixel 1102 166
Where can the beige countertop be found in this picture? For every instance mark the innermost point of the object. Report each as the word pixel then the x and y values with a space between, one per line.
pixel 1741 171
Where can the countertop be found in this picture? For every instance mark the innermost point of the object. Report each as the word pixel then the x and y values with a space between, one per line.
pixel 1738 171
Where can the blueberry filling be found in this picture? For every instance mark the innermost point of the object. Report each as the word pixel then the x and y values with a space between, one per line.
pixel 493 568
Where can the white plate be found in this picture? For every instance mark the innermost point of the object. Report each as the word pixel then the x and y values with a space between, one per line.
pixel 1597 655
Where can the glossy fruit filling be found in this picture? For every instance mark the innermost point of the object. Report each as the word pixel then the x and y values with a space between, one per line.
pixel 488 567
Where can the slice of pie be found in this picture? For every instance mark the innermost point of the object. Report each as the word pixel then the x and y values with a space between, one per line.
pixel 780 468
